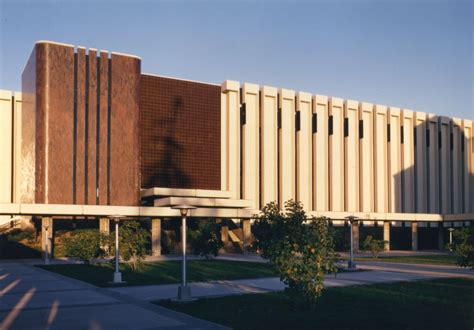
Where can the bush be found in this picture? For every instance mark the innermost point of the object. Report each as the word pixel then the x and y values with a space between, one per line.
pixel 84 245
pixel 132 243
pixel 206 239
pixel 300 248
pixel 375 246
pixel 17 235
pixel 463 247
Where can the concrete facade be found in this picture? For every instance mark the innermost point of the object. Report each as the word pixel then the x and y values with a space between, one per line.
pixel 81 134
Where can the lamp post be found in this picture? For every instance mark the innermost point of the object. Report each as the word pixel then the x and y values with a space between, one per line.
pixel 352 220
pixel 450 239
pixel 184 291
pixel 46 245
pixel 117 274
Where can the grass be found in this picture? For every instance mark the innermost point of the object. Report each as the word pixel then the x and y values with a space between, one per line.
pixel 438 259
pixel 435 304
pixel 165 272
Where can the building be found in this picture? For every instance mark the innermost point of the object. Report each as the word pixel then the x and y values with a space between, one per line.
pixel 90 135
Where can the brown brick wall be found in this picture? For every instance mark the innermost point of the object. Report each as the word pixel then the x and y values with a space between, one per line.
pixel 179 133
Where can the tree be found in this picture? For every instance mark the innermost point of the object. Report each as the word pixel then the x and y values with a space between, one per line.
pixel 132 243
pixel 206 239
pixel 84 245
pixel 463 247
pixel 300 248
pixel 375 246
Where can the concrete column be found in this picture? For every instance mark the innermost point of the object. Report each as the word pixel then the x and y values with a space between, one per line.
pixel 414 236
pixel 224 234
pixel 104 225
pixel 440 236
pixel 386 234
pixel 47 222
pixel 320 153
pixel 246 234
pixel 156 237
pixel 355 236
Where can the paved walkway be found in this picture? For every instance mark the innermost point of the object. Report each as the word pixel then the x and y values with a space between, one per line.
pixel 381 272
pixel 32 298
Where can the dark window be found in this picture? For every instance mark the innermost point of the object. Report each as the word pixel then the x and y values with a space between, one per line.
pixel 297 121
pixel 243 114
pixel 361 129
pixel 388 132
pixel 346 127
pixel 279 118
pixel 330 120
pixel 315 122
pixel 427 138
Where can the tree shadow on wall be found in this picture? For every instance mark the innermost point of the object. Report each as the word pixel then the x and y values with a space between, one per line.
pixel 168 169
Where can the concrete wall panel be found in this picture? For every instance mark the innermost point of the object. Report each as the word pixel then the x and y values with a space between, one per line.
pixel 420 163
pixel 320 154
pixel 351 154
pixel 445 190
pixel 380 159
pixel 395 161
pixel 287 170
pixel 366 157
pixel 304 154
pixel 336 155
pixel 250 144
pixel 269 145
pixel 408 162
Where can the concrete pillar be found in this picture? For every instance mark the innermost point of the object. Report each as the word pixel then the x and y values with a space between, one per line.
pixel 104 225
pixel 440 236
pixel 225 233
pixel 156 237
pixel 414 236
pixel 386 234
pixel 47 225
pixel 355 236
pixel 246 234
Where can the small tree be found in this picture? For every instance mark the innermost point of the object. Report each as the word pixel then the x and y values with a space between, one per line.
pixel 206 239
pixel 132 243
pixel 463 247
pixel 84 245
pixel 375 246
pixel 300 248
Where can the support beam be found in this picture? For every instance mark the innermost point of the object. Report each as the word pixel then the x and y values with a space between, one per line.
pixel 47 227
pixel 156 237
pixel 414 236
pixel 355 233
pixel 386 234
pixel 246 234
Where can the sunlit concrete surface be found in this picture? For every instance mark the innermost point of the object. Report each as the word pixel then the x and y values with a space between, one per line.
pixel 31 298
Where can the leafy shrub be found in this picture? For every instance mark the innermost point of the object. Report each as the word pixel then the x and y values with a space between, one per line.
pixel 206 239
pixel 83 244
pixel 17 235
pixel 463 247
pixel 300 248
pixel 132 243
pixel 375 246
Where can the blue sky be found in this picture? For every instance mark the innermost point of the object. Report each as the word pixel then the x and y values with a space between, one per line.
pixel 411 54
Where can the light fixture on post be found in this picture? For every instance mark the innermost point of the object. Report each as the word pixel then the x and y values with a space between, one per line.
pixel 117 274
pixel 450 239
pixel 352 221
pixel 46 245
pixel 184 291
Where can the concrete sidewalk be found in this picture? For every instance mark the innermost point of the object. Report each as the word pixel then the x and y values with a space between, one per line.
pixel 32 298
pixel 380 273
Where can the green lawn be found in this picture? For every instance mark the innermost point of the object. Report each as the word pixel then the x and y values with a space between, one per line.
pixel 436 304
pixel 165 272
pixel 439 259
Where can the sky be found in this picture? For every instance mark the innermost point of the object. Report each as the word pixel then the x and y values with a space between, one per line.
pixel 415 54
